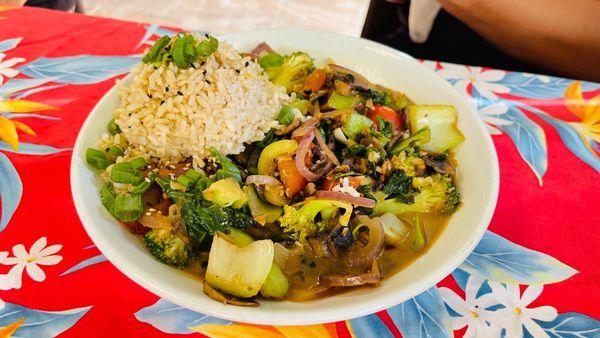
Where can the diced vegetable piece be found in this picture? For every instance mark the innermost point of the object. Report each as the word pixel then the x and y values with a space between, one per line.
pixel 128 207
pixel 124 173
pixel 225 192
pixel 112 153
pixel 276 285
pixel 107 196
pixel 207 47
pixel 137 163
pixel 184 180
pixel 113 127
pixel 292 180
pixel 96 158
pixel 339 101
pixel 238 238
pixel 417 139
pixel 355 123
pixel 270 60
pixel 156 49
pixel 142 187
pixel 419 238
pixel 266 161
pixel 275 194
pixel 442 123
pixel 238 271
pixel 387 114
pixel 292 72
pixel 262 212
pixel 286 115
pixel 395 230
pixel 315 80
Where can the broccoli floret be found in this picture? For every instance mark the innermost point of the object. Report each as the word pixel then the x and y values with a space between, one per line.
pixel 300 223
pixel 431 197
pixel 168 247
pixel 409 162
pixel 296 224
pixel 452 199
pixel 238 218
pixel 292 72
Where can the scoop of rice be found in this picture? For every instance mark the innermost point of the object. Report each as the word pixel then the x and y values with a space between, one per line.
pixel 223 102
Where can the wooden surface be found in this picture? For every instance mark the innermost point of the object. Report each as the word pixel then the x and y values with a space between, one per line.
pixel 226 16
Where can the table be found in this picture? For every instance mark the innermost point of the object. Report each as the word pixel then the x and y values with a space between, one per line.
pixel 535 272
pixel 340 16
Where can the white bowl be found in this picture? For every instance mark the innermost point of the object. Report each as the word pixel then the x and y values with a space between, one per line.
pixel 478 184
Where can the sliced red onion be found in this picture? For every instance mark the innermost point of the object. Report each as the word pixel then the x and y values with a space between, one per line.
pixel 342 196
pixel 262 47
pixel 305 127
pixel 303 148
pixel 262 180
pixel 326 149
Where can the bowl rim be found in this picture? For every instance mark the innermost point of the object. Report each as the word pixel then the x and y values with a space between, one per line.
pixel 366 308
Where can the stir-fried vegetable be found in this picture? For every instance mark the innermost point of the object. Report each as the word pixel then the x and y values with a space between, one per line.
pixel 239 271
pixel 343 186
pixel 441 121
pixel 292 72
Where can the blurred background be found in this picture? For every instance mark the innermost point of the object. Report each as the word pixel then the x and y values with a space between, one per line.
pixel 554 37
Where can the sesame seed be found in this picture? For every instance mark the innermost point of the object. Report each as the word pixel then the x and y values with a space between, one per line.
pixel 148 213
pixel 152 210
pixel 159 212
pixel 247 63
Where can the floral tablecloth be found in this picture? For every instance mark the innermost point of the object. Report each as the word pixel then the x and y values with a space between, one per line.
pixel 535 273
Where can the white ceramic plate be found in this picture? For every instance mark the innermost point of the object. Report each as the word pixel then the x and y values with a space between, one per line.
pixel 478 184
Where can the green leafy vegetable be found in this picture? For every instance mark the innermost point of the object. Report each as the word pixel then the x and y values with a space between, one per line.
pixel 228 168
pixel 268 139
pixel 202 218
pixel 399 185
pixel 377 97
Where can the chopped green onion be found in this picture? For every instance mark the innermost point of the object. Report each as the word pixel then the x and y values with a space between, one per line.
pixel 286 115
pixel 193 175
pixel 113 127
pixel 184 180
pixel 96 158
pixel 271 60
pixel 190 48
pixel 137 163
pixel 156 49
pixel 124 173
pixel 418 235
pixel 112 153
pixel 207 47
pixel 107 196
pixel 203 183
pixel 142 187
pixel 179 52
pixel 128 208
